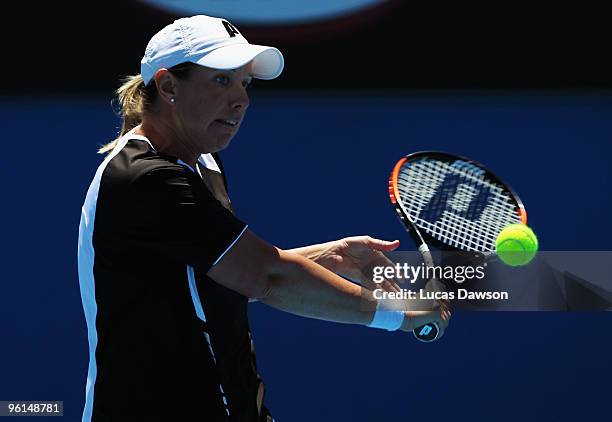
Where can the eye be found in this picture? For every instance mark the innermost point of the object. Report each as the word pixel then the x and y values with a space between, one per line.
pixel 247 82
pixel 222 80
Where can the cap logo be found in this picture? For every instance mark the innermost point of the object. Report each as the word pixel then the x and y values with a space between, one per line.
pixel 231 29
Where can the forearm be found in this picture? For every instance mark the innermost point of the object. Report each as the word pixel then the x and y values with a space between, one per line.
pixel 301 287
pixel 295 284
pixel 312 252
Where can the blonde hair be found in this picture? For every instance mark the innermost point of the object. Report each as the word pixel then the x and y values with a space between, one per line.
pixel 135 98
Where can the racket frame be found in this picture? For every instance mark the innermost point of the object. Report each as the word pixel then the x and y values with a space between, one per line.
pixel 420 239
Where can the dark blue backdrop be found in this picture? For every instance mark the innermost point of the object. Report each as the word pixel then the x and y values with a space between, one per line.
pixel 325 161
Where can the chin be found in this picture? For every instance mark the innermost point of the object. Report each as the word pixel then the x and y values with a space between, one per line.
pixel 220 144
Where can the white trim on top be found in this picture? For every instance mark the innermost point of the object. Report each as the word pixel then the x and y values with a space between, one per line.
pixel 230 246
pixel 86 256
pixel 199 310
pixel 208 161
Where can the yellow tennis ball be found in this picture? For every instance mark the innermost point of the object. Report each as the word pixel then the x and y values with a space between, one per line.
pixel 516 245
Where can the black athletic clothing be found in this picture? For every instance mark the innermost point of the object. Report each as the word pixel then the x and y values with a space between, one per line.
pixel 166 342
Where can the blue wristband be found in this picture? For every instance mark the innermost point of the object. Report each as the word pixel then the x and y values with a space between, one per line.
pixel 386 319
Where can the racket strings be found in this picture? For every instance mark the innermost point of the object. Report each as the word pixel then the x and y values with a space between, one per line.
pixel 462 233
pixel 455 203
pixel 458 231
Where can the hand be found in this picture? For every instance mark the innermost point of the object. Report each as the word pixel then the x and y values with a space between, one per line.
pixel 355 258
pixel 414 319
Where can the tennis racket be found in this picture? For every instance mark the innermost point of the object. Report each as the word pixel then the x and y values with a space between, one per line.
pixel 453 203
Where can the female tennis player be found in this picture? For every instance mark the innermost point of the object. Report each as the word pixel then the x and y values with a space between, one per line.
pixel 165 267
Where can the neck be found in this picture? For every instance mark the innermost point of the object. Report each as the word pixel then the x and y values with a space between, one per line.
pixel 165 140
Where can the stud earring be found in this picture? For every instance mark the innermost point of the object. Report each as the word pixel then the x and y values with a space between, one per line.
pixel 172 100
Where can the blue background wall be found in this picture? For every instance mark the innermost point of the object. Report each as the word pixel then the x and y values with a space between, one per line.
pixel 325 162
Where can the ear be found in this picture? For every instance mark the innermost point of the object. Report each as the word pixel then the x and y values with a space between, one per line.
pixel 166 85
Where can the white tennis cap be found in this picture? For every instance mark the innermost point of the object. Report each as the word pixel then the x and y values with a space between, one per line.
pixel 210 42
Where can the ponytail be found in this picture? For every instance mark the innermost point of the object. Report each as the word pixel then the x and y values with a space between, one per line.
pixel 133 98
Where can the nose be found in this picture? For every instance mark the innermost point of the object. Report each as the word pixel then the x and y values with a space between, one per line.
pixel 241 100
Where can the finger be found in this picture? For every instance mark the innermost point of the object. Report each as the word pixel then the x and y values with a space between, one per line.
pixel 444 304
pixel 390 286
pixel 382 245
pixel 444 321
pixel 447 314
pixel 377 259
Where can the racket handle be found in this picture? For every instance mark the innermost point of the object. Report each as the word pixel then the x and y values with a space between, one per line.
pixel 427 333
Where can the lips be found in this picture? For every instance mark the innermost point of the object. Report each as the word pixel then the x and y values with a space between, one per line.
pixel 228 122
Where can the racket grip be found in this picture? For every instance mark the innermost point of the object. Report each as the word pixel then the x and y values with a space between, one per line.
pixel 427 333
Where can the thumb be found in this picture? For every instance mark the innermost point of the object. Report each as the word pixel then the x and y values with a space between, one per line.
pixel 383 245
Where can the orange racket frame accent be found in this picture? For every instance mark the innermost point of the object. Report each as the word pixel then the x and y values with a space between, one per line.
pixel 393 190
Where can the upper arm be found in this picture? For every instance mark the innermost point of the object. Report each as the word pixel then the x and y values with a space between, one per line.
pixel 247 266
